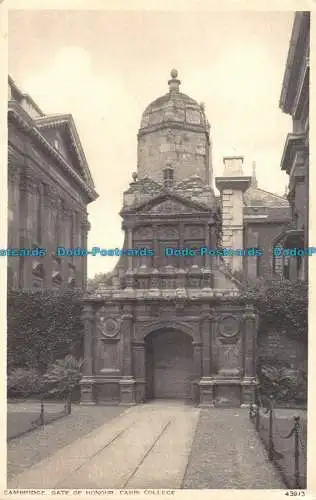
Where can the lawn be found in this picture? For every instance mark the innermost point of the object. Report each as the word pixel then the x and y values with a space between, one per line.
pixel 22 418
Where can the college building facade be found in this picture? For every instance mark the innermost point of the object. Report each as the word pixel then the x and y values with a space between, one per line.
pixel 49 188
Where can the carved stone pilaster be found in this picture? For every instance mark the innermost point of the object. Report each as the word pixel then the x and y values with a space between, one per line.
pixel 129 279
pixel 250 340
pixel 127 382
pixel 139 352
pixel 205 328
pixel 207 278
pixel 87 380
pixel 155 279
pixel 130 246
pixel 197 359
pixel 126 335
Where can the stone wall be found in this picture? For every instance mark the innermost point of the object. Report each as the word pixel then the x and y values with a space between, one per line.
pixel 187 151
pixel 288 350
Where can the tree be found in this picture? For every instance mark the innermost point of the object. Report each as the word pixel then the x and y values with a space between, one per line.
pixel 62 377
pixel 98 279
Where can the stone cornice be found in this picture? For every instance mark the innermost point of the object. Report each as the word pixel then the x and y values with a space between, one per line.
pixel 192 294
pixel 24 121
pixel 293 143
pixel 299 37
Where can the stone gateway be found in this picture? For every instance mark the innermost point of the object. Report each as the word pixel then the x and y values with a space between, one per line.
pixel 165 325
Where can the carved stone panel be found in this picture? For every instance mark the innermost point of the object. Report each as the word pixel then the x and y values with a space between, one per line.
pixel 107 327
pixel 194 232
pixel 107 357
pixel 169 207
pixel 168 233
pixel 228 346
pixel 143 233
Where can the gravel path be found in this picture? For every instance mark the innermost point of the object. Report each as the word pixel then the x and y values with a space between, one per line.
pixel 33 447
pixel 227 453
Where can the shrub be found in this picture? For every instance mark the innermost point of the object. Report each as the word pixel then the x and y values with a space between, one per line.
pixel 23 382
pixel 284 383
pixel 42 327
pixel 62 377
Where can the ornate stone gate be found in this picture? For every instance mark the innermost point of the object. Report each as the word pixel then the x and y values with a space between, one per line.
pixel 223 333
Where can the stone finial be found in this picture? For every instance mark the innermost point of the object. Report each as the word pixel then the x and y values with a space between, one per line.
pixel 134 176
pixel 174 83
pixel 202 106
pixel 254 182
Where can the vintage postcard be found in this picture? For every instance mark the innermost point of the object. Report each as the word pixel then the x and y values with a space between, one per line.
pixel 157 249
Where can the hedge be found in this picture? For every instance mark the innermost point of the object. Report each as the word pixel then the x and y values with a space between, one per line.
pixel 43 326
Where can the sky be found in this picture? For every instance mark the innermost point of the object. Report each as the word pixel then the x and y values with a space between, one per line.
pixel 105 67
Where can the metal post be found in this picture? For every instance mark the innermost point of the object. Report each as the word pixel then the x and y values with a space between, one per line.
pixel 42 413
pixel 297 451
pixel 69 403
pixel 271 429
pixel 258 418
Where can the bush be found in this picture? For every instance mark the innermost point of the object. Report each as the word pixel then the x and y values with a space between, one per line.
pixel 62 377
pixel 284 383
pixel 42 327
pixel 23 382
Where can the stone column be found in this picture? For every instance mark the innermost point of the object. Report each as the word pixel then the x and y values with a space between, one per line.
pixel 14 219
pixel 27 236
pixel 139 370
pixel 49 234
pixel 87 380
pixel 84 228
pixel 249 356
pixel 127 382
pixel 206 382
pixel 156 258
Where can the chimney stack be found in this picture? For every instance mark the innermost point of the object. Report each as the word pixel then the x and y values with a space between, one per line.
pixel 233 166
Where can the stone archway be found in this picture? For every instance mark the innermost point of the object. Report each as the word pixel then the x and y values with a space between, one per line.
pixel 169 365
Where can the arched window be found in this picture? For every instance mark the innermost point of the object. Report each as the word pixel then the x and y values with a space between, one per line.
pixel 168 177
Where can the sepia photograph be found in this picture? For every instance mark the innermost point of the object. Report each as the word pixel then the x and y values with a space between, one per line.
pixel 158 250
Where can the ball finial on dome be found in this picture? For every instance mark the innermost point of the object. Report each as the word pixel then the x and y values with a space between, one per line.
pixel 174 83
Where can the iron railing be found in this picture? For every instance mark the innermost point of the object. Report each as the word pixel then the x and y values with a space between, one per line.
pixel 292 462
pixel 44 417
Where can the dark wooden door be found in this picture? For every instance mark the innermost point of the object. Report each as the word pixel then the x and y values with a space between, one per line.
pixel 172 365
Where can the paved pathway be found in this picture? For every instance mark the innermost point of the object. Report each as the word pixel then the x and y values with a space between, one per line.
pixel 149 446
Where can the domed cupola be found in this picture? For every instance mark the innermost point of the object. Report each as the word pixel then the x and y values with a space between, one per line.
pixel 174 108
pixel 174 136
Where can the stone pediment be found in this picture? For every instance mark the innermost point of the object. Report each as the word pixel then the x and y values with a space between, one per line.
pixel 60 131
pixel 170 204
